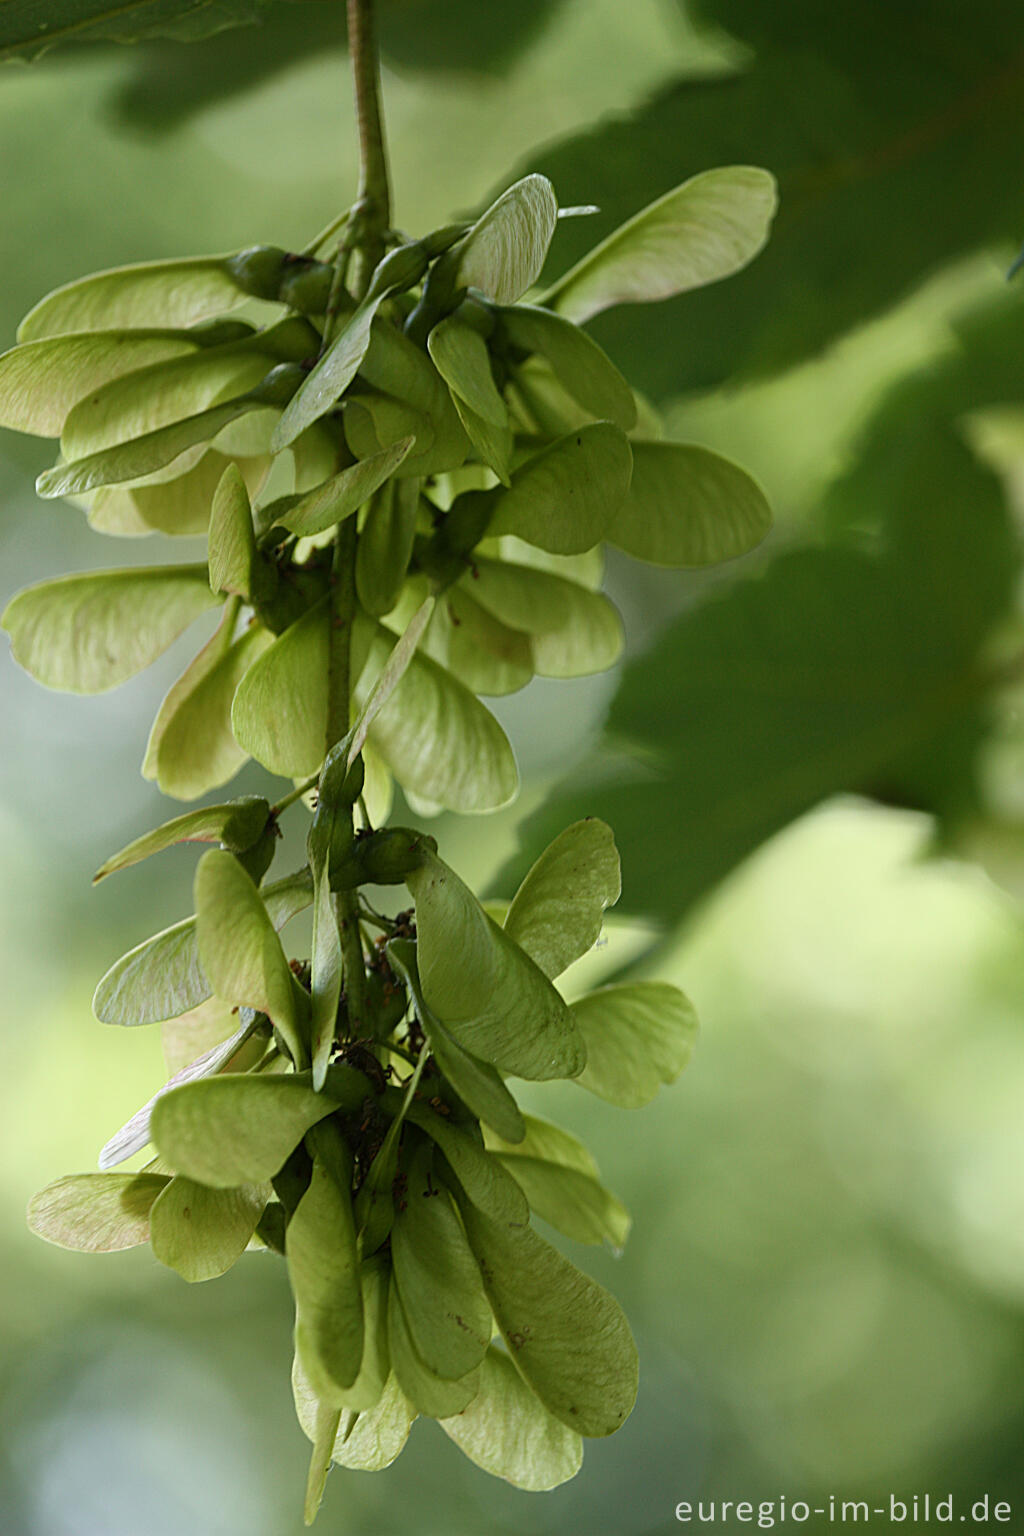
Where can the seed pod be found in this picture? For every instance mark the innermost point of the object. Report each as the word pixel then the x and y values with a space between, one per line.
pixel 259 270
pixel 306 285
pixel 278 386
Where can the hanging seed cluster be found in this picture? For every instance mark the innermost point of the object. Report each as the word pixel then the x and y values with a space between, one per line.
pixel 483 449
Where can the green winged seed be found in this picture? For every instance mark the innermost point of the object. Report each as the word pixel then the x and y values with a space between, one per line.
pixel 238 1128
pixel 167 293
pixel 374 1368
pixel 237 825
pixel 687 506
pixel 495 445
pixel 239 947
pixel 559 1177
pixel 327 1423
pixel 439 741
pixel 323 1266
pixel 566 497
pixel 557 913
pixel 366 1441
pixel 504 251
pixel 232 541
pixel 438 1278
pixel 399 369
pixel 579 364
pixel 566 1335
pixel 542 1139
pixel 507 1431
pixel 324 385
pixel 200 1232
pixel 346 492
pixel 486 990
pixel 135 1133
pixel 573 1202
pixel 639 1035
pixel 142 455
pixel 463 361
pixel 573 631
pixel 385 545
pixel 477 1083
pixel 179 506
pixel 158 396
pixel 279 713
pixel 96 1212
pixel 192 748
pixel 162 978
pixel 88 633
pixel 428 1393
pixel 326 969
pixel 704 230
pixel 41 381
pixel 488 656
pixel 479 1174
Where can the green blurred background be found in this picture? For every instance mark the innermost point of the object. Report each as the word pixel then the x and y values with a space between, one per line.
pixel 826 1275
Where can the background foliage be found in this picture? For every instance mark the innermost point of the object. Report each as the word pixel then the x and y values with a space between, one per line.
pixel 826 1273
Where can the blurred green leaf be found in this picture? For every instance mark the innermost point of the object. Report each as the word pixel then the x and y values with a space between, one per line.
pixel 706 229
pixel 558 911
pixel 88 633
pixel 836 669
pixel 200 1232
pixel 96 1212
pixel 890 164
pixel 639 1035
pixel 508 1432
pixel 23 34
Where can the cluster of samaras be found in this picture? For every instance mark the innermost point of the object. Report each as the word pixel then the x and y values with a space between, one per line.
pixel 483 450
